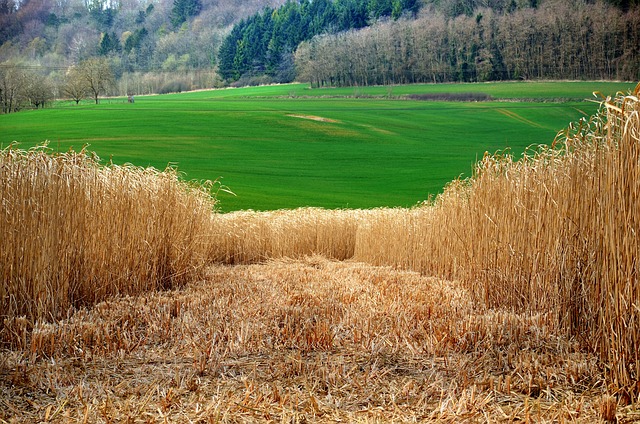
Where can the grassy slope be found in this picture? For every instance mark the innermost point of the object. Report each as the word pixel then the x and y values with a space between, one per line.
pixel 380 151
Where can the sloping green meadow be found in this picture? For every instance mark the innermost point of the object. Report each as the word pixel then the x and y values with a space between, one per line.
pixel 289 146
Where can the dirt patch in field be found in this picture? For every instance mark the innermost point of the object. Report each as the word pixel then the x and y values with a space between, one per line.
pixel 314 118
pixel 451 97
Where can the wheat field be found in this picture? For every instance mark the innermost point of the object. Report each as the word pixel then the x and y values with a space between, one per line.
pixel 512 296
pixel 75 233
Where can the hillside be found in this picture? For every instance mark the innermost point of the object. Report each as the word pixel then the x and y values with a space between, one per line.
pixel 147 42
pixel 177 45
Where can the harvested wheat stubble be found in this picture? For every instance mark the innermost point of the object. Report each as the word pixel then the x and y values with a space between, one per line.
pixel 310 340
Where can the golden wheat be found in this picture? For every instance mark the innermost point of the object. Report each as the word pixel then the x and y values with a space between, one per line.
pixel 74 233
pixel 555 232
pixel 248 237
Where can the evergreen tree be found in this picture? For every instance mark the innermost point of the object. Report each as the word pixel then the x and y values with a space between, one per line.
pixel 263 43
pixel 183 10
pixel 227 53
pixel 109 44
pixel 134 40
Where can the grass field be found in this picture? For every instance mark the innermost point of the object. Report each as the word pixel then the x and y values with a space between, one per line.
pixel 288 146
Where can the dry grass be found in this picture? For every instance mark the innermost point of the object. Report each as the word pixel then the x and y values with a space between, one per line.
pixel 312 340
pixel 533 316
pixel 554 233
pixel 250 237
pixel 75 233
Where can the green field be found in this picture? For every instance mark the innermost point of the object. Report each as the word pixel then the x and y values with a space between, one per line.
pixel 268 145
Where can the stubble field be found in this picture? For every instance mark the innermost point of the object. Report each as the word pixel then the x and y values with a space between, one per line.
pixel 310 340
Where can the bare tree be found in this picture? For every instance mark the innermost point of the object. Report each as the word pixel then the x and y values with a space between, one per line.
pixel 97 76
pixel 13 82
pixel 38 89
pixel 74 86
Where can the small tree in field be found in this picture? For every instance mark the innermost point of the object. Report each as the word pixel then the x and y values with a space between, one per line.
pixel 96 76
pixel 74 87
pixel 38 90
pixel 13 82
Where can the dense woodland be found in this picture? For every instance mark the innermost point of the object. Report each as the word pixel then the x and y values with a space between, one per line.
pixel 264 43
pixel 157 46
pixel 553 41
pixel 151 46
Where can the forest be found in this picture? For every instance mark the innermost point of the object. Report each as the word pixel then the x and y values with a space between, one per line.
pixel 160 46
pixel 599 42
pixel 151 46
pixel 263 44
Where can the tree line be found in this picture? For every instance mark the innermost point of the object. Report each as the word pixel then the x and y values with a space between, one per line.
pixel 22 87
pixel 158 46
pixel 598 41
pixel 263 44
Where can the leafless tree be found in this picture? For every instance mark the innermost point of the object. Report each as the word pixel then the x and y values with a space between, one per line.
pixel 96 75
pixel 598 42
pixel 38 89
pixel 13 82
pixel 74 87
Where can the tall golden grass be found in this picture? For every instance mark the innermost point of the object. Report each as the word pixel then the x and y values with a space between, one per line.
pixel 553 235
pixel 248 237
pixel 556 232
pixel 74 233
